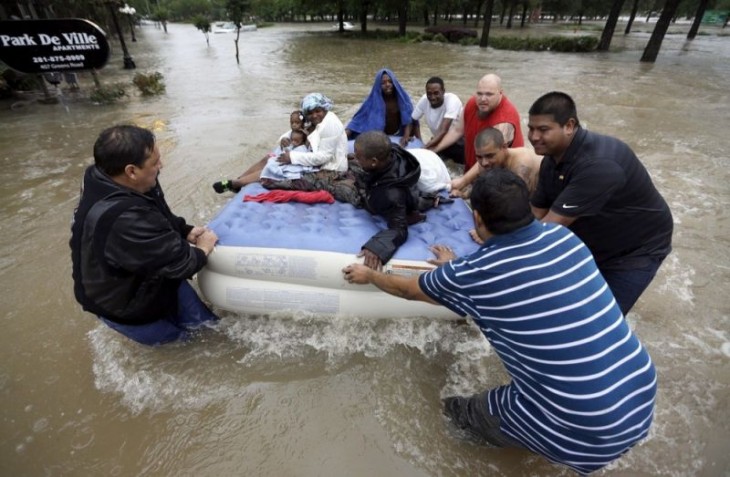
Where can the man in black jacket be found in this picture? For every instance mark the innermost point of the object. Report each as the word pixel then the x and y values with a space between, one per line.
pixel 388 187
pixel 131 256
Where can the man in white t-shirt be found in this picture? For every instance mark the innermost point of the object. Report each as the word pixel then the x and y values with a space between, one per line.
pixel 439 109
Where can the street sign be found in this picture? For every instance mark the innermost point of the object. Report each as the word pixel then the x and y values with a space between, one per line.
pixel 44 46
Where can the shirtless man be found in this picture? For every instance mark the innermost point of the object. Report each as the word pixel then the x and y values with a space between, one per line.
pixel 491 152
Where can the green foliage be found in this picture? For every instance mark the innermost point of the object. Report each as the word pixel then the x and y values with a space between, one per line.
pixel 578 44
pixel 149 84
pixel 237 10
pixel 201 23
pixel 468 41
pixel 160 14
pixel 440 38
pixel 187 9
pixel 410 37
pixel 454 33
pixel 108 94
pixel 12 80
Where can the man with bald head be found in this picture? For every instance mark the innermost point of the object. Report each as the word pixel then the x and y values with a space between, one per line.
pixel 489 107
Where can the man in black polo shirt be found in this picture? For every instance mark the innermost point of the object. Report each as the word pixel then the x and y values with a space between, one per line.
pixel 596 186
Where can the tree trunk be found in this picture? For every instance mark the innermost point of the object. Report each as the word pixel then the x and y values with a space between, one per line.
pixel 634 9
pixel 340 15
pixel 426 19
pixel 524 14
pixel 698 19
pixel 476 16
pixel 402 17
pixel 364 16
pixel 513 5
pixel 503 13
pixel 238 34
pixel 484 40
pixel 610 26
pixel 657 36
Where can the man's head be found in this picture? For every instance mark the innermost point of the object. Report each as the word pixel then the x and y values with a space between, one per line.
pixel 373 150
pixel 490 149
pixel 129 155
pixel 386 85
pixel 298 137
pixel 500 202
pixel 435 91
pixel 552 124
pixel 488 94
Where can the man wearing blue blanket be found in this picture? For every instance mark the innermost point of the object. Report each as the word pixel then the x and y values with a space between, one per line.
pixel 583 387
pixel 388 108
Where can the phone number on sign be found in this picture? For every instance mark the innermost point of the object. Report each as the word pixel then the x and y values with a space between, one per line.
pixel 57 59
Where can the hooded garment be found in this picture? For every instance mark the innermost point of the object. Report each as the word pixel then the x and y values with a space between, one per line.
pixel 391 193
pixel 371 115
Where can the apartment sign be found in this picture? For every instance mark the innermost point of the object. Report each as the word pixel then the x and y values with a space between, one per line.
pixel 44 46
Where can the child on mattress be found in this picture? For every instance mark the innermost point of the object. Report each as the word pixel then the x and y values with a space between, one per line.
pixel 278 171
pixel 253 173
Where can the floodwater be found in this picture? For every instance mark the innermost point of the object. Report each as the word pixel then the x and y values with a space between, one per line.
pixel 314 396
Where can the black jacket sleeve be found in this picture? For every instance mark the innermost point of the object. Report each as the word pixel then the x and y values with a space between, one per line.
pixel 144 242
pixel 391 204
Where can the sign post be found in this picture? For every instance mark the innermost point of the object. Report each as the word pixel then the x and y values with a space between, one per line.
pixel 128 61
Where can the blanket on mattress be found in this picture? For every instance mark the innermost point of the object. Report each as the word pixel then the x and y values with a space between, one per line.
pixel 336 227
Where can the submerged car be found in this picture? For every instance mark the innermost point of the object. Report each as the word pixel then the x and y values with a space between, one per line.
pixel 346 25
pixel 230 27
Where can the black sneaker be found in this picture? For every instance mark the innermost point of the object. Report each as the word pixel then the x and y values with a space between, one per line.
pixel 455 408
pixel 223 186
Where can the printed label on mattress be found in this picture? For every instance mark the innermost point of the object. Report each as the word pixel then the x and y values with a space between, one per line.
pixel 276 266
pixel 406 270
pixel 283 300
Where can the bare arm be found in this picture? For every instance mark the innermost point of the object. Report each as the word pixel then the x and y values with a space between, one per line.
pixel 508 131
pixel 406 134
pixel 455 132
pixel 443 129
pixel 461 182
pixel 396 285
pixel 546 215
pixel 538 213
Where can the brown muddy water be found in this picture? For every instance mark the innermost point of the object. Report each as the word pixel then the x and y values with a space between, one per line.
pixel 315 396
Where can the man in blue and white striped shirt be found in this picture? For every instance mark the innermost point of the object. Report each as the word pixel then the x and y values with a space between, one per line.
pixel 583 387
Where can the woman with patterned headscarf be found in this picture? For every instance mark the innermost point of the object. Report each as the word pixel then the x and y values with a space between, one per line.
pixel 328 143
pixel 326 159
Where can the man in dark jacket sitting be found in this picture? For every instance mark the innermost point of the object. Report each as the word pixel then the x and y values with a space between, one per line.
pixel 131 256
pixel 388 187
